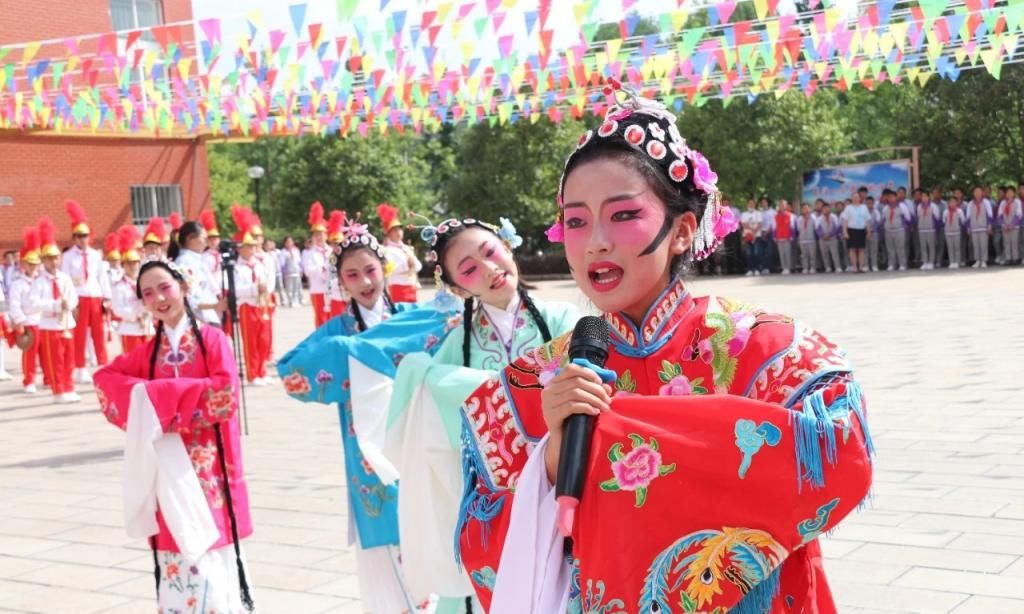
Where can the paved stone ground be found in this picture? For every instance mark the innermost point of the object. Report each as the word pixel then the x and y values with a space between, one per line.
pixel 940 356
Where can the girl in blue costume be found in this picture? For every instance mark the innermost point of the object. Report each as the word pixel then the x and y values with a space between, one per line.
pixel 501 321
pixel 356 347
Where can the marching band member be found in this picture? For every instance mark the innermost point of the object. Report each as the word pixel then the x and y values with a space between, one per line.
pixel 211 257
pixel 253 299
pixel 315 264
pixel 23 320
pixel 53 296
pixel 402 283
pixel 84 266
pixel 336 299
pixel 153 239
pixel 136 324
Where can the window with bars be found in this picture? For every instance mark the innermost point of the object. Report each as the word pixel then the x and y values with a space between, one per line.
pixel 135 14
pixel 154 200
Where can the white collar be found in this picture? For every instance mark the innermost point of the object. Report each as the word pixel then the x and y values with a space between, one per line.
pixel 175 334
pixel 504 320
pixel 371 317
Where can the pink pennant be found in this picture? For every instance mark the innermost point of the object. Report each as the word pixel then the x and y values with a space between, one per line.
pixel 499 18
pixel 211 29
pixel 725 10
pixel 276 38
pixel 505 45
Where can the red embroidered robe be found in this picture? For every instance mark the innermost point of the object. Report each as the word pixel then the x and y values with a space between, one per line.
pixel 694 501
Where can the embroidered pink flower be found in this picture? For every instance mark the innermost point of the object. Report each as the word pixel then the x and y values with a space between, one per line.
pixel 637 469
pixel 704 178
pixel 634 471
pixel 678 386
pixel 296 384
pixel 219 402
pixel 202 458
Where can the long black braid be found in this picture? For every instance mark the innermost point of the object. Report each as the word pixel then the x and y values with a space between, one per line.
pixel 243 582
pixel 467 322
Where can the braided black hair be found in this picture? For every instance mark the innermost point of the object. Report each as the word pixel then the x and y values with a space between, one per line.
pixel 357 314
pixel 243 582
pixel 467 322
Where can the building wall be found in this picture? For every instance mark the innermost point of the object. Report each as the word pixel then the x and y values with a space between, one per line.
pixel 39 172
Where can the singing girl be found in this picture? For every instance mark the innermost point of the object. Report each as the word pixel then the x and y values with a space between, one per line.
pixel 727 438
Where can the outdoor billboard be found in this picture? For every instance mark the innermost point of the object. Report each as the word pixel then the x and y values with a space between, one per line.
pixel 841 182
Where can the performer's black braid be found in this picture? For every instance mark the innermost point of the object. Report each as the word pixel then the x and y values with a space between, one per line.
pixel 467 330
pixel 243 582
pixel 538 319
pixel 360 324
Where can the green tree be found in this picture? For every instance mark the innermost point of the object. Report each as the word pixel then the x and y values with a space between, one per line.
pixel 765 147
pixel 229 181
pixel 512 171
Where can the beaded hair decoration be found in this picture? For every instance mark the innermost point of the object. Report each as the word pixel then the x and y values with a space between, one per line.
pixel 649 127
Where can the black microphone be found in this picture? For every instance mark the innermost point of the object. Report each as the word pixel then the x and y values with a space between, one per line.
pixel 589 342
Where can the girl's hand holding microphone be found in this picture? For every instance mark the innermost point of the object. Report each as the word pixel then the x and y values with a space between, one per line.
pixel 575 390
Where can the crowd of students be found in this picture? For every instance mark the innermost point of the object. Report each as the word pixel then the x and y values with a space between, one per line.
pixel 861 234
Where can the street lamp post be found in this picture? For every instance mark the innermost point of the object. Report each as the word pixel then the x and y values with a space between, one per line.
pixel 256 173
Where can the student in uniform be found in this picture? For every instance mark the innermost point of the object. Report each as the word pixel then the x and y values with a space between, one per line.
pixel 954 222
pixel 929 223
pixel 979 226
pixel 1009 222
pixel 830 230
pixel 807 232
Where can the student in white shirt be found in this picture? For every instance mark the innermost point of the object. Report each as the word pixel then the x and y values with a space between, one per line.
pixel 752 221
pixel 929 219
pixel 186 251
pixel 290 261
pixel 979 225
pixel 855 220
pixel 1009 223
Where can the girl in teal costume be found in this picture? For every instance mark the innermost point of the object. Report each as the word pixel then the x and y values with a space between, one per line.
pixel 501 321
pixel 364 345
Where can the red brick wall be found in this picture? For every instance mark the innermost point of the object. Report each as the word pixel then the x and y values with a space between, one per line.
pixel 40 172
pixel 35 20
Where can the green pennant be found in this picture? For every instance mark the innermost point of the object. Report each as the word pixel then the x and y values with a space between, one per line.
pixel 689 42
pixel 1013 16
pixel 479 25
pixel 378 39
pixel 747 56
pixel 665 22
pixel 346 8
pixel 876 67
pixel 4 51
pixel 589 31
pixel 990 18
pixel 282 54
pixel 58 72
pixel 8 76
pixel 933 8
pixel 390 55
